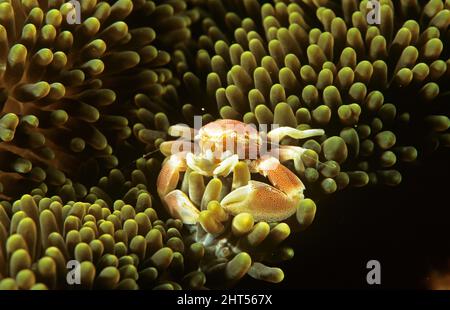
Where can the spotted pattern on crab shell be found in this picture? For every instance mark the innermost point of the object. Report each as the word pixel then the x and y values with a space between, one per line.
pixel 275 202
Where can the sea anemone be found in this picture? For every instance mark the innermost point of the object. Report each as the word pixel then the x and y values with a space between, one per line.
pixel 115 247
pixel 81 101
pixel 120 241
pixel 70 93
pixel 378 91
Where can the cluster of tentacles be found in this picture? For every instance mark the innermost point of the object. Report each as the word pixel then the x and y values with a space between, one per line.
pixel 80 102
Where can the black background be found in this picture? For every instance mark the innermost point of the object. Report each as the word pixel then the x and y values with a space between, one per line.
pixel 406 228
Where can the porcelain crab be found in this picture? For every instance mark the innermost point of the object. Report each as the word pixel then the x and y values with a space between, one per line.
pixel 215 149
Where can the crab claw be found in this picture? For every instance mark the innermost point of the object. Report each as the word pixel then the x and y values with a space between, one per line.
pixel 170 174
pixel 180 206
pixel 264 202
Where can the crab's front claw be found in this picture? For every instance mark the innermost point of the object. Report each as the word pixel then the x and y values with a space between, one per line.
pixel 180 207
pixel 262 201
pixel 170 174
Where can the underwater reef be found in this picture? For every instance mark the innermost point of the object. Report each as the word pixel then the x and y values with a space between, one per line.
pixel 85 108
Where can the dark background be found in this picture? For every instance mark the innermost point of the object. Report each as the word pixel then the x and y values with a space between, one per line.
pixel 406 228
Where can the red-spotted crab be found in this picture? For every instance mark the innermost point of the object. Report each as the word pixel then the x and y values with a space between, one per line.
pixel 215 150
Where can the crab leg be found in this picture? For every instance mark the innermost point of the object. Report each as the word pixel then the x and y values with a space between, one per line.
pixel 170 173
pixel 289 152
pixel 181 207
pixel 177 203
pixel 265 202
pixel 279 133
pixel 168 148
pixel 183 131
pixel 182 144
